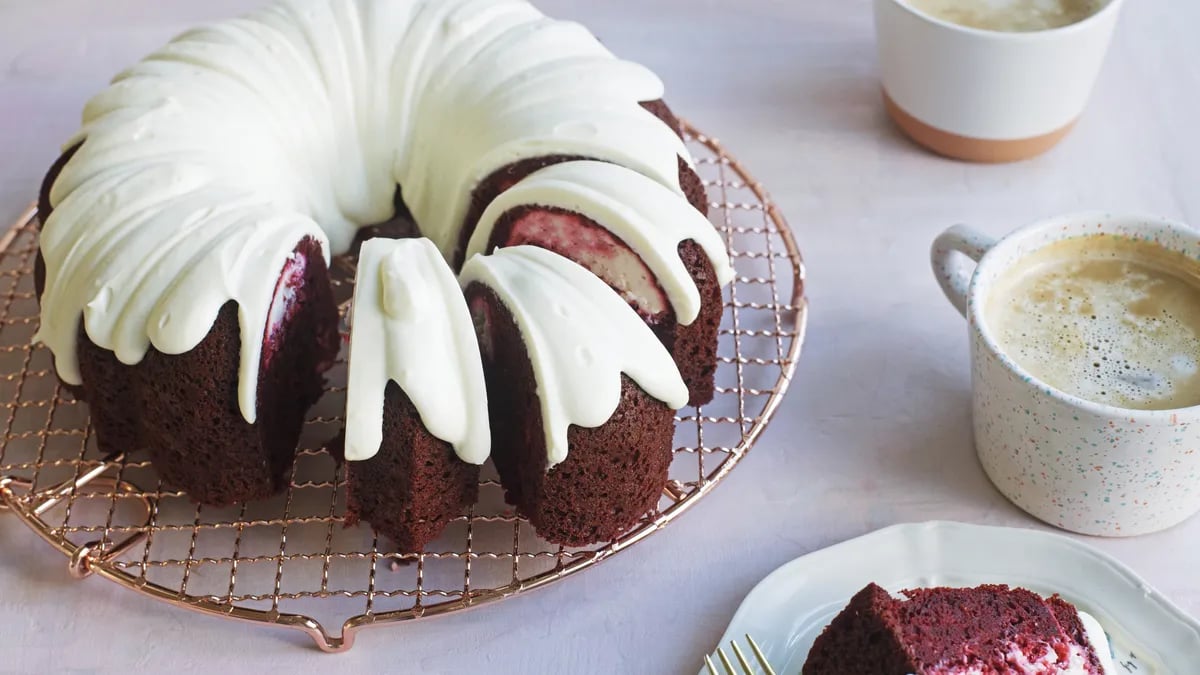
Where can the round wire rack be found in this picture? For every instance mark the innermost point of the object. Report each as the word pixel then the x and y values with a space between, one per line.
pixel 289 561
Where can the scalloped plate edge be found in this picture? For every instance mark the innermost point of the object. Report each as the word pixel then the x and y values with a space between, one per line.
pixel 788 609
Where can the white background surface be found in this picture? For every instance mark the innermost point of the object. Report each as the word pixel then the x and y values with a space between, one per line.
pixel 876 429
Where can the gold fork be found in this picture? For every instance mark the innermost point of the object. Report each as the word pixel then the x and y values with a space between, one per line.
pixel 741 659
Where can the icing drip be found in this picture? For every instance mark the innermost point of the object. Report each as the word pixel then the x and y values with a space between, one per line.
pixel 580 336
pixel 206 163
pixel 1099 641
pixel 411 326
pixel 636 209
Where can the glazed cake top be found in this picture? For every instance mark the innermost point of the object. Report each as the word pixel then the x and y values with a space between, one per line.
pixel 204 165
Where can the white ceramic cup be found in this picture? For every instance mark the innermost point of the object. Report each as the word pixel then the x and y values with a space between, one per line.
pixel 1076 464
pixel 984 95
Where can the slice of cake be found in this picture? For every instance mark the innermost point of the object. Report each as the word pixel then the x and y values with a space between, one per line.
pixel 416 402
pixel 582 394
pixel 216 424
pixel 989 630
pixel 661 255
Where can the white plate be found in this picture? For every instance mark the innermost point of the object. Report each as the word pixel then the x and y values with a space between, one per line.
pixel 786 611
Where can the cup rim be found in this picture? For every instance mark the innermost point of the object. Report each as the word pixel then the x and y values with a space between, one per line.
pixel 1110 7
pixel 976 306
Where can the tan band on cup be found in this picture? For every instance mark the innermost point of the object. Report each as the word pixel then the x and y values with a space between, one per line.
pixel 972 149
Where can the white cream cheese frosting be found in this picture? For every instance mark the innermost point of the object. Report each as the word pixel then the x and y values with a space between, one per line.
pixel 411 326
pixel 580 336
pixel 203 166
pixel 637 210
pixel 1098 639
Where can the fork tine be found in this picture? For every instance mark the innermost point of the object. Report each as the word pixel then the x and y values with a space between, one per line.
pixel 737 652
pixel 725 662
pixel 746 668
pixel 759 656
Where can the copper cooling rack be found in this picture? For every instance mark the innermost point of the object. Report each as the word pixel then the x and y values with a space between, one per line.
pixel 289 561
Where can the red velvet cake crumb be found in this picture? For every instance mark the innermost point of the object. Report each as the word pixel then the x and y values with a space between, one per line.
pixel 613 474
pixel 989 630
pixel 415 485
pixel 575 236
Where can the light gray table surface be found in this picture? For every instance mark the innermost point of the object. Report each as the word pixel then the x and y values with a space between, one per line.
pixel 876 429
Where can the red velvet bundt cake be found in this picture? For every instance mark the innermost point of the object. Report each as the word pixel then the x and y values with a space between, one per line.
pixel 581 393
pixel 188 229
pixel 989 630
pixel 416 406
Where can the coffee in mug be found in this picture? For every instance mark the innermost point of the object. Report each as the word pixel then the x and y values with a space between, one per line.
pixel 1084 333
pixel 1001 94
pixel 1014 16
pixel 1110 319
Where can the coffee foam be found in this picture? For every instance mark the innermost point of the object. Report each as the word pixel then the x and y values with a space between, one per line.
pixel 1010 15
pixel 1107 319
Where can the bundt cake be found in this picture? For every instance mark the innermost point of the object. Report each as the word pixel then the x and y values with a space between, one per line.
pixel 188 229
pixel 960 631
pixel 582 394
pixel 416 403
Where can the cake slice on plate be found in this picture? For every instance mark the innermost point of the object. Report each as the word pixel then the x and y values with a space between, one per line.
pixel 416 402
pixel 582 395
pixel 988 630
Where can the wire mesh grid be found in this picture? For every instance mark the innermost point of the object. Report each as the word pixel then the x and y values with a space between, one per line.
pixel 289 560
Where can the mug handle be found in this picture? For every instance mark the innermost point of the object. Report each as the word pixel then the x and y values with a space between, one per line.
pixel 953 255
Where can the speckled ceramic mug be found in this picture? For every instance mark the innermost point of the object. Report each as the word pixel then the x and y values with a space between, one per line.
pixel 1076 464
